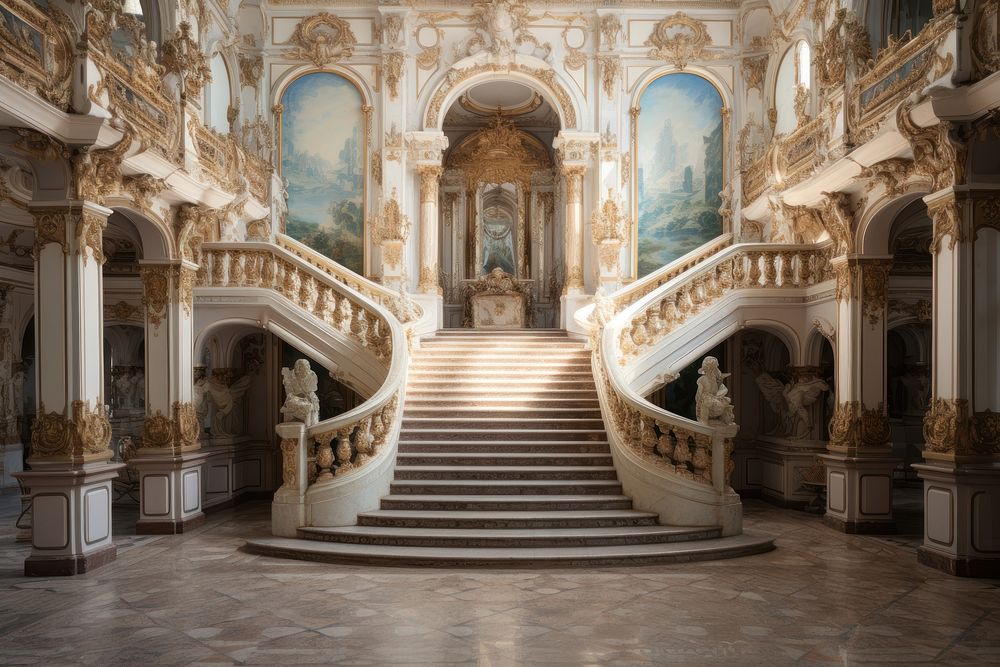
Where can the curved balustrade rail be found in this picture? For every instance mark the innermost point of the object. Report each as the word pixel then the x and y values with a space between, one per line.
pixel 670 464
pixel 398 303
pixel 643 286
pixel 350 442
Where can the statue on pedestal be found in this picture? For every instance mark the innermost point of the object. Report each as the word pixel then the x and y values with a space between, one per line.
pixel 712 404
pixel 301 402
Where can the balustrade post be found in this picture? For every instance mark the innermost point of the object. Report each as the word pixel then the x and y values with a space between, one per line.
pixel 288 509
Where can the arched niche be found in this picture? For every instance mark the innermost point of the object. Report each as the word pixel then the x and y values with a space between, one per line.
pixel 792 80
pixel 323 124
pixel 679 141
pixel 219 94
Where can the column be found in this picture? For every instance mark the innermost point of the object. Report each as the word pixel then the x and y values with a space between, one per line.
pixel 573 173
pixel 960 470
pixel 859 465
pixel 168 461
pixel 430 175
pixel 70 477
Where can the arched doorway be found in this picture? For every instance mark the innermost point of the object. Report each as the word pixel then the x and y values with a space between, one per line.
pixel 497 200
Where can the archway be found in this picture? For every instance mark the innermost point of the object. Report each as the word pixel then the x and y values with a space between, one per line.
pixel 497 207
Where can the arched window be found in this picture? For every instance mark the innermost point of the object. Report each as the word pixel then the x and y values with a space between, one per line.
pixel 323 161
pixel 679 168
pixel 793 76
pixel 895 17
pixel 219 99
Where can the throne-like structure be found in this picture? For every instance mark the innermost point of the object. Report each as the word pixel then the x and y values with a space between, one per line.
pixel 497 301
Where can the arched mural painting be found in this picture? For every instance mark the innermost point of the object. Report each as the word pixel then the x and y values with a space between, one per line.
pixel 679 168
pixel 323 163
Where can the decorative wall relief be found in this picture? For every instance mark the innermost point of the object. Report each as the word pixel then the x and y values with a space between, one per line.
pixel 679 168
pixel 323 162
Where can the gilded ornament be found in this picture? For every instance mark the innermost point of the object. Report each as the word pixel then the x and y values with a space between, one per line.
pixel 155 291
pixel 611 71
pixel 611 30
pixel 680 39
pixel 322 39
pixel 946 215
pixel 754 68
pixel 182 55
pixel 948 427
pixel 251 69
pixel 392 68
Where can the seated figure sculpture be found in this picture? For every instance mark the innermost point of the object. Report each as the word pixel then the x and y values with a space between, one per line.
pixel 712 404
pixel 301 402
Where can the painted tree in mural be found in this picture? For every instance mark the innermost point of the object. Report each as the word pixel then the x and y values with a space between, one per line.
pixel 323 165
pixel 679 168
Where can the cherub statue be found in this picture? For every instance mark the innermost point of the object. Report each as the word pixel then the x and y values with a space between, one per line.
pixel 301 402
pixel 711 401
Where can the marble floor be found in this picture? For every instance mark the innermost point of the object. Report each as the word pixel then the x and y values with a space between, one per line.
pixel 820 598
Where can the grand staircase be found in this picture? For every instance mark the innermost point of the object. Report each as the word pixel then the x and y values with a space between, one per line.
pixel 503 461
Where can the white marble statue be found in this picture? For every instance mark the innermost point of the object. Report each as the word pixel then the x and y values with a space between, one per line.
pixel 712 403
pixel 138 395
pixel 791 402
pixel 301 402
pixel 213 393
pixel 123 389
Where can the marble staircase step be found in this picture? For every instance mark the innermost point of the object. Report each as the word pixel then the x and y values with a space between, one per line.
pixel 524 401
pixel 526 557
pixel 505 520
pixel 408 434
pixel 511 412
pixel 510 538
pixel 505 472
pixel 502 423
pixel 495 487
pixel 488 446
pixel 505 502
pixel 502 458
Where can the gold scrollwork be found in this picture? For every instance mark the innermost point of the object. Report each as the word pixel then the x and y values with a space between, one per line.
pixel 322 39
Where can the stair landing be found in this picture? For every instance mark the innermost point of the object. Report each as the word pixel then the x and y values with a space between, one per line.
pixel 504 462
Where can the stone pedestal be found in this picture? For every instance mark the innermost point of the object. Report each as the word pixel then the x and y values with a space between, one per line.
pixel 783 467
pixel 859 493
pixel 288 509
pixel 170 498
pixel 71 519
pixel 961 518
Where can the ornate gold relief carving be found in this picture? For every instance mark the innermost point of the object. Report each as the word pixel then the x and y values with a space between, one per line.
pixel 845 41
pixel 611 30
pixel 754 68
pixel 985 38
pixel 97 172
pixel 838 219
pixel 855 427
pixel 182 55
pixel 875 289
pixel 36 50
pixel 50 227
pixel 390 223
pixel 322 39
pixel 938 153
pixel 89 231
pixel 392 68
pixel 122 311
pixel 948 427
pixel 251 69
pixel 679 39
pixel 611 70
pixel 179 432
pixel 155 291
pixel 499 153
pixel 891 174
pixel 86 434
pixel 289 464
pixel 946 215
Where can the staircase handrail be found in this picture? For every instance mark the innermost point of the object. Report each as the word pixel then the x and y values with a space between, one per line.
pixel 639 288
pixel 675 444
pixel 405 313
pixel 363 432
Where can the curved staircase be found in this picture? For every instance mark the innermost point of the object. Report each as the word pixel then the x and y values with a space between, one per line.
pixel 504 461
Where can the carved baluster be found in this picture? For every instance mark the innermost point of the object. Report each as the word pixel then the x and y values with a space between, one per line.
pixel 344 308
pixel 725 277
pixel 682 452
pixel 701 459
pixel 236 275
pixel 639 334
pixel 374 337
pixel 324 456
pixel 307 293
pixel 754 277
pixel 806 264
pixel 741 277
pixel 647 434
pixel 358 325
pixel 218 269
pixel 267 270
pixel 322 302
pixel 344 451
pixel 253 268
pixel 363 441
pixel 290 282
pixel 312 468
pixel 787 269
pixel 770 270
pixel 665 444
